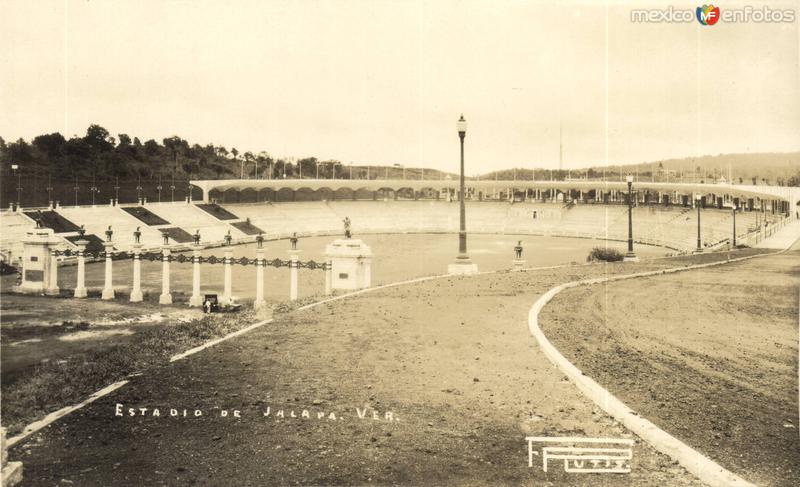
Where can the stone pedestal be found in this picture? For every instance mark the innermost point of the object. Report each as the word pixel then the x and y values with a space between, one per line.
pixel 108 286
pixel 80 285
pixel 196 299
pixel 462 267
pixel 519 264
pixel 136 290
pixel 166 296
pixel 293 270
pixel 351 264
pixel 11 473
pixel 630 257
pixel 260 264
pixel 39 266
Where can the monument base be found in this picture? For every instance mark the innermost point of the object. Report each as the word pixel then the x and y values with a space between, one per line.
pixel 165 299
pixel 52 291
pixel 80 292
pixel 630 257
pixel 195 301
pixel 462 268
pixel 519 264
pixel 136 297
pixel 107 294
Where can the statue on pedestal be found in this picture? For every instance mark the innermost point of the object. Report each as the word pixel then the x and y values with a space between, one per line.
pixel 518 250
pixel 196 237
pixel 137 235
pixel 293 241
pixel 81 232
pixel 228 238
pixel 260 240
pixel 346 222
pixel 109 233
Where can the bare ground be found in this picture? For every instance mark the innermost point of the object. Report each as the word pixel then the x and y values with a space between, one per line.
pixel 451 358
pixel 708 355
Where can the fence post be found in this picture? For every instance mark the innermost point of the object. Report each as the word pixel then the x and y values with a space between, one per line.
pixel 196 299
pixel 293 268
pixel 260 264
pixel 136 291
pixel 80 286
pixel 166 296
pixel 52 285
pixel 328 276
pixel 108 287
pixel 227 295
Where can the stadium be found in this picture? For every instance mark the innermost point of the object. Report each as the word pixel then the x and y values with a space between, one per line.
pixel 421 243
pixel 411 227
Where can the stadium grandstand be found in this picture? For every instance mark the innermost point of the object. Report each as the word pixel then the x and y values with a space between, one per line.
pixel 663 214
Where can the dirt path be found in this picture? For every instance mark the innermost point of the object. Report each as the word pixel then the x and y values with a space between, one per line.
pixel 708 355
pixel 452 359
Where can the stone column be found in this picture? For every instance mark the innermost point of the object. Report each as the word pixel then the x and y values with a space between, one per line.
pixel 293 269
pixel 108 287
pixel 196 299
pixel 80 286
pixel 166 296
pixel 260 264
pixel 136 291
pixel 227 294
pixel 52 284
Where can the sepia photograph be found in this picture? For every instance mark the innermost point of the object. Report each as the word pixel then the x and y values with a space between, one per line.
pixel 583 219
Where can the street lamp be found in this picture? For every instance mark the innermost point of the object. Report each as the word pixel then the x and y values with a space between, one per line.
pixel 50 190
pixel 697 204
pixel 463 265
pixel 76 188
pixel 15 168
pixel 630 256
pixel 734 225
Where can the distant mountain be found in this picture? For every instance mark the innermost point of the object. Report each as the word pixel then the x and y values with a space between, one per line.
pixel 782 169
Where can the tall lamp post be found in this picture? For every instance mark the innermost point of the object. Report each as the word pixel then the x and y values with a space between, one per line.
pixel 734 225
pixel 462 265
pixel 698 199
pixel 630 256
pixel 17 170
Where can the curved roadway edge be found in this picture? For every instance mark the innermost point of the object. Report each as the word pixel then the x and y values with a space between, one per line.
pixel 692 460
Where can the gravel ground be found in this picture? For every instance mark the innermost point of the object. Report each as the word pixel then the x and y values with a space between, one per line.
pixel 708 355
pixel 451 358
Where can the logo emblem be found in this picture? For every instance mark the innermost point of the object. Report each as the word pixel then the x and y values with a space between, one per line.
pixel 583 455
pixel 708 14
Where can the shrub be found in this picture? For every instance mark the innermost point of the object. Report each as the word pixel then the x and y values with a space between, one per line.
pixel 604 254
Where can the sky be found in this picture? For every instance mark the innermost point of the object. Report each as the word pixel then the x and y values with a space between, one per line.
pixel 383 82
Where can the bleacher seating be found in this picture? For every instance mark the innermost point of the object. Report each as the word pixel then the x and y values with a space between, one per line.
pixel 191 218
pixel 97 219
pixel 672 226
pixel 13 227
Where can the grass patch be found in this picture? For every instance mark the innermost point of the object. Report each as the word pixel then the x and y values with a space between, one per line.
pixel 604 254
pixel 56 384
pixel 217 211
pixel 145 215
